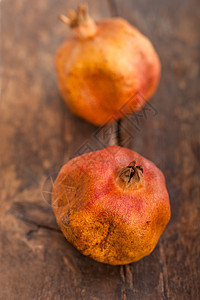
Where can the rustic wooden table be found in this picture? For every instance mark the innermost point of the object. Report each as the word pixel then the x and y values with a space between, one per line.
pixel 38 133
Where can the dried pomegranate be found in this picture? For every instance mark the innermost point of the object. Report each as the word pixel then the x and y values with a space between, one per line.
pixel 112 204
pixel 105 69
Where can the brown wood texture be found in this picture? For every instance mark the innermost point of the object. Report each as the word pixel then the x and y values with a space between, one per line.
pixel 38 134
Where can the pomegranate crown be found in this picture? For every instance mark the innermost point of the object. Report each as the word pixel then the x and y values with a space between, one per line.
pixel 132 172
pixel 75 17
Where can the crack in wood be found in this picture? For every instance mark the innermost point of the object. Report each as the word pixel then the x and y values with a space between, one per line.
pixel 31 232
pixel 20 211
pixel 164 277
pixel 123 279
pixel 42 226
pixel 118 135
pixel 195 146
pixel 113 8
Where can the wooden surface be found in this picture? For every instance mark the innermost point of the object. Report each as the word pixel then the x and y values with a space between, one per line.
pixel 38 133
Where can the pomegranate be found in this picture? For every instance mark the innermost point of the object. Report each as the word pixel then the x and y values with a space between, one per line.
pixel 106 69
pixel 111 204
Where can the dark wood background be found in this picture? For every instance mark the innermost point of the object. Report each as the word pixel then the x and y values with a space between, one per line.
pixel 38 134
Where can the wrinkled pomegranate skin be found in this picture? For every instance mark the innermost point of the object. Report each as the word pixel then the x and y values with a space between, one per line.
pixel 109 75
pixel 102 220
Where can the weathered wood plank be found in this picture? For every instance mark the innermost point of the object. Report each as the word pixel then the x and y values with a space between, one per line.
pixel 38 134
pixel 167 132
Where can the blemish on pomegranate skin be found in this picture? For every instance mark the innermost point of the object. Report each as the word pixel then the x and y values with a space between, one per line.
pixel 65 219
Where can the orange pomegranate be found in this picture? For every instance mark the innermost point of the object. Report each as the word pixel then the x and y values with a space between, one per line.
pixel 105 69
pixel 111 204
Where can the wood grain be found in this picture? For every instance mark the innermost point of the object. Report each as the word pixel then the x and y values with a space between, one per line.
pixel 38 134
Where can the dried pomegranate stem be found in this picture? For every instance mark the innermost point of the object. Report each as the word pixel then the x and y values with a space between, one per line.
pixel 81 23
pixel 131 175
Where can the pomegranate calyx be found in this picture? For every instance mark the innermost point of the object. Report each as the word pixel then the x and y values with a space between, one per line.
pixel 81 23
pixel 75 18
pixel 131 177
